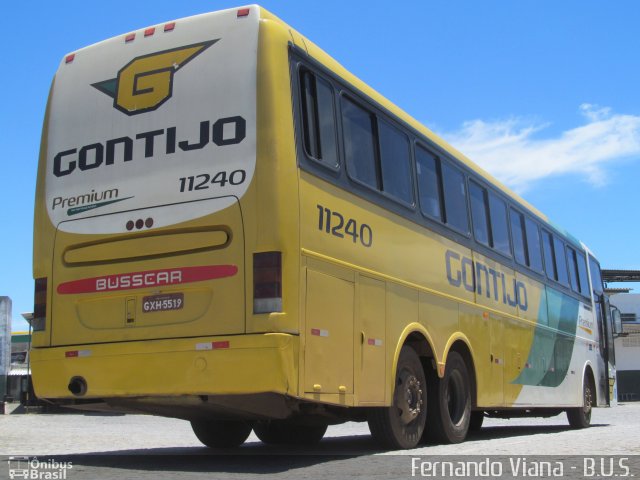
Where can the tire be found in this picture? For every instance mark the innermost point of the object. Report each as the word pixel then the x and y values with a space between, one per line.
pixel 278 432
pixel 221 433
pixel 580 417
pixel 477 418
pixel 401 425
pixel 449 414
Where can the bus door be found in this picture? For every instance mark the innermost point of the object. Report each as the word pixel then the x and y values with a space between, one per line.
pixel 606 357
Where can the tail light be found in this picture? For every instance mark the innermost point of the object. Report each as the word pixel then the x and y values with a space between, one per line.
pixel 267 282
pixel 40 305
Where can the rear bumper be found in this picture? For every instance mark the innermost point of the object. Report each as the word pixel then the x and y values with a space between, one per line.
pixel 205 366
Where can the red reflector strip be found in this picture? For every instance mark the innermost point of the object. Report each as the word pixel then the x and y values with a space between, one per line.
pixel 130 38
pixel 319 333
pixel 243 12
pixel 169 27
pixel 70 58
pixel 212 345
pixel 77 353
pixel 149 31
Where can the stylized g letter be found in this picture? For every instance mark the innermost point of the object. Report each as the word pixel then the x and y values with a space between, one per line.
pixel 146 82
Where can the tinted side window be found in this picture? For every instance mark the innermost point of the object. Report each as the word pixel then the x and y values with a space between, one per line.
pixel 318 119
pixel 455 198
pixel 479 213
pixel 359 143
pixel 519 238
pixel 574 277
pixel 582 275
pixel 533 245
pixel 395 162
pixel 561 261
pixel 499 229
pixel 429 181
pixel 596 278
pixel 549 257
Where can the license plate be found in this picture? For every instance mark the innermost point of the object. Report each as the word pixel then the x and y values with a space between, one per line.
pixel 162 303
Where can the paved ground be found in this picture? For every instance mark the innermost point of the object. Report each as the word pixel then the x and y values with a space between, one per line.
pixel 139 446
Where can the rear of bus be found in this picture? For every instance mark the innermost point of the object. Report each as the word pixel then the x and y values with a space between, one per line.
pixel 157 260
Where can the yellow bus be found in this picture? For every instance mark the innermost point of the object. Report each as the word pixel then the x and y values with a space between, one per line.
pixel 232 229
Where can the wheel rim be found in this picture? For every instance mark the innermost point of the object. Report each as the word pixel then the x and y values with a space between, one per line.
pixel 456 397
pixel 409 397
pixel 586 408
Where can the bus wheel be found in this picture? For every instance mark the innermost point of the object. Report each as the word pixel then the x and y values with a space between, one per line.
pixel 221 433
pixel 449 402
pixel 475 424
pixel 580 417
pixel 401 425
pixel 282 432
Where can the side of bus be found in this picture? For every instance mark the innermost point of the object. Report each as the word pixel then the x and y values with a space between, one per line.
pixel 406 245
pixel 374 273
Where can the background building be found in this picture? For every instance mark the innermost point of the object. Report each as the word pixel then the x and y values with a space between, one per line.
pixel 5 347
pixel 627 343
pixel 627 346
pixel 19 379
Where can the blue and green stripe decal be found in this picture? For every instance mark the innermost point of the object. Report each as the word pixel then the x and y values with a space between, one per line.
pixel 553 341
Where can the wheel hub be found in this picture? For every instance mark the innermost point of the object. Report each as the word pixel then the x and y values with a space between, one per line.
pixel 587 401
pixel 411 401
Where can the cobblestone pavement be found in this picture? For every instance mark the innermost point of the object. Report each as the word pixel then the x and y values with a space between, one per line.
pixel 140 446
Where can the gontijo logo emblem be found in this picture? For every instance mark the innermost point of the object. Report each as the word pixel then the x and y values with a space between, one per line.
pixel 146 82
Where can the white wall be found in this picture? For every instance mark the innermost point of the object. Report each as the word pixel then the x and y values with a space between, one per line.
pixel 628 347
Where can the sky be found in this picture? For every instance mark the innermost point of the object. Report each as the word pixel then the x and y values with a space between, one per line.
pixel 543 94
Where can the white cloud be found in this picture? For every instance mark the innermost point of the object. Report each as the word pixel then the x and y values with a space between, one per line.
pixel 510 152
